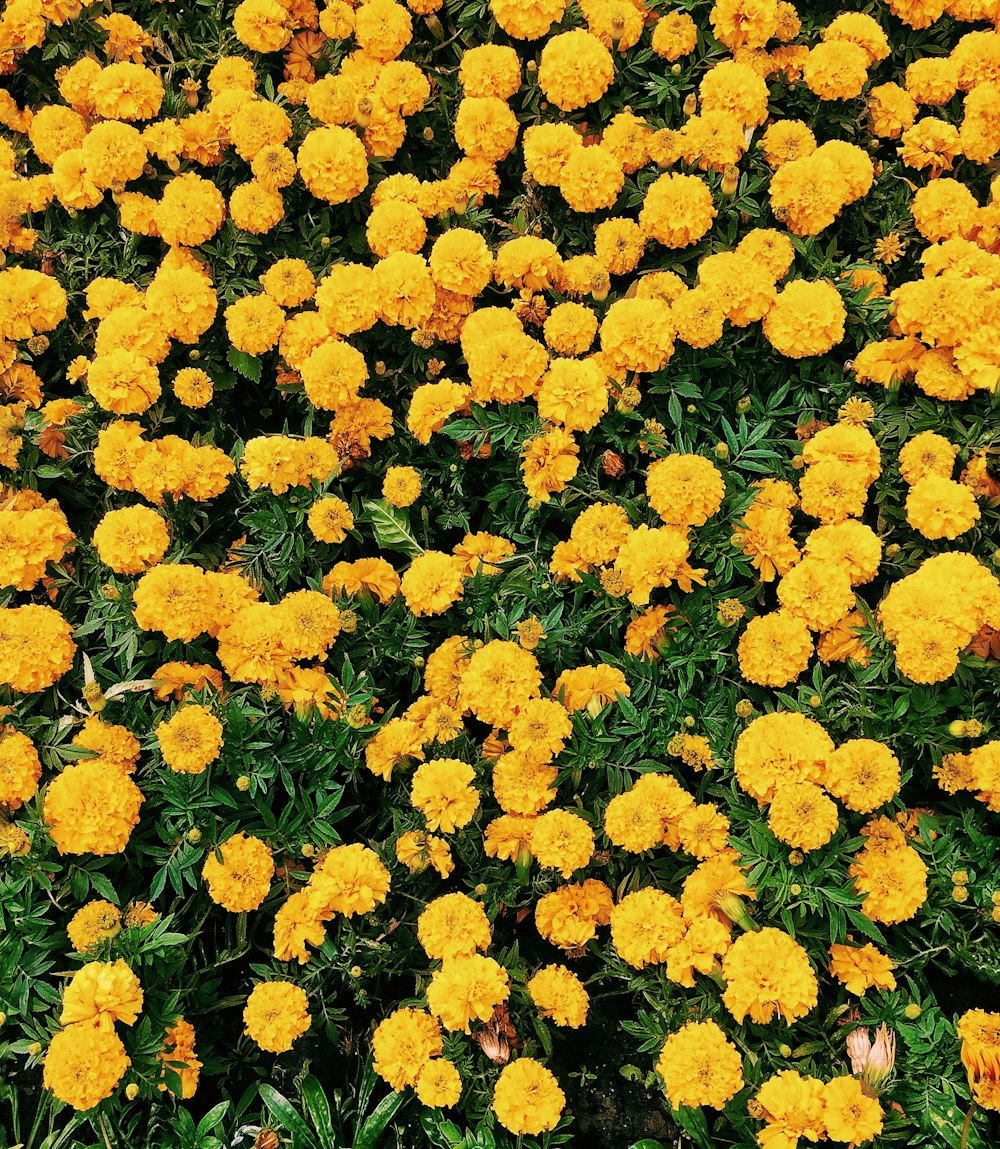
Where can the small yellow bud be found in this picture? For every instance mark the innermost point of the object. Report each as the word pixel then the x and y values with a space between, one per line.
pixel 348 621
pixel 357 717
pixel 35 1048
pixel 722 450
pixel 419 661
pixel 814 700
pixel 744 708
pixel 691 105
pixel 689 722
pixel 531 67
pixel 892 550
pixel 730 180
pixel 308 850
pixel 995 899
pixel 796 858
pixel 243 783
pixel 356 971
pixel 692 409
pixel 481 889
pixel 325 242
pixel 194 835
pixel 743 405
pixel 675 69
pixel 795 890
pixel 131 1091
pixel 3 1019
pixel 111 593
pixel 996 913
pixel 960 894
pixel 194 354
pixel 428 134
pixel 960 877
pixel 913 1011
pixel 534 504
pixel 785 1050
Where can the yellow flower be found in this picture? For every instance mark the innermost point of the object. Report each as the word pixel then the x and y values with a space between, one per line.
pixel 190 740
pixel 101 993
pixel 242 879
pixel 96 922
pixel 442 790
pixel 559 995
pixel 700 1066
pixel 453 926
pixel 465 989
pixel 276 1015
pixel 84 1064
pixel 527 1098
pixel 403 1044
pixel 768 973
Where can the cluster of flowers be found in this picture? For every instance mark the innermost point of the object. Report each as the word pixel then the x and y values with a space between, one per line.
pixel 527 324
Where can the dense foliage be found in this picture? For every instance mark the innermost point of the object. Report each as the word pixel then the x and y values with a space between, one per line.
pixel 498 573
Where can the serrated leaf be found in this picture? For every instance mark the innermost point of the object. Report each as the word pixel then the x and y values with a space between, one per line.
pixel 246 365
pixel 391 528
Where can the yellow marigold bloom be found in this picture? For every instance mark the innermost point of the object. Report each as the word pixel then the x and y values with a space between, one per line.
pixel 333 164
pixel 84 1064
pixel 836 69
pixel 527 1098
pixel 242 879
pixel 807 319
pixel 499 678
pixel 101 993
pixel 96 922
pixel 677 211
pixel 783 746
pixel 744 23
pixel 644 926
pixel 675 35
pixel 453 926
pixel 190 740
pixel 442 790
pixel 940 508
pixel 507 836
pixel 193 388
pixel 91 808
pixel 562 841
pixel 704 943
pixel 374 577
pixel 684 490
pixel 850 545
pixel 786 140
pixel 178 1056
pixel 849 1114
pixel 550 462
pixel 350 880
pixel 819 593
pixel 115 744
pixel 801 815
pixel 634 823
pixel 276 1015
pixel 401 486
pixel 397 742
pixel 703 831
pixel 465 989
pixel 20 768
pixel 490 70
pixel 330 519
pixel 540 729
pixel 930 143
pixel 700 1066
pixel 438 1083
pixel 859 968
pixel 569 916
pixel 403 1044
pixel 792 1106
pixel 768 973
pixel 648 634
pixel 433 583
pixel 889 874
pixel 575 69
pixel 559 995
pixel 590 688
pixel 432 405
pixel 863 774
pixel 925 455
pixel 573 393
pixel 775 649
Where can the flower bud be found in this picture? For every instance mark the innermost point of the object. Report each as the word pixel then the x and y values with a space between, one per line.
pixel 481 890
pixel 733 906
pixel 960 877
pixel 194 835
pixel 131 1091
pixel 743 405
pixel 785 1050
pixel 356 971
pixel 243 783
pixel 722 450
pixel 913 1011
pixel 35 1048
pixel 960 894
pixel 744 708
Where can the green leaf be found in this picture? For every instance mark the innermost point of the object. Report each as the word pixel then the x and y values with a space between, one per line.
pixel 368 1135
pixel 282 1110
pixel 318 1108
pixel 391 528
pixel 695 1125
pixel 247 365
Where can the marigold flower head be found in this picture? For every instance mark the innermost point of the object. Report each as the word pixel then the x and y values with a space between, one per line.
pixel 700 1066
pixel 276 1015
pixel 527 1098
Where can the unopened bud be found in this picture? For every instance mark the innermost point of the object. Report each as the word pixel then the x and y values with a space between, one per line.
pixel 132 1090
pixel 690 105
pixel 913 1011
pixel 243 783
pixel 734 907
pixel 348 621
pixel 743 405
pixel 722 450
pixel 194 835
pixel 35 1048
pixel 960 894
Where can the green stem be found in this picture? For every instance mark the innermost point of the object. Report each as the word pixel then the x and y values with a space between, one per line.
pixel 967 1126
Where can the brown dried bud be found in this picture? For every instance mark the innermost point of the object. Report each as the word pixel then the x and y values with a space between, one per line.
pixel 612 464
